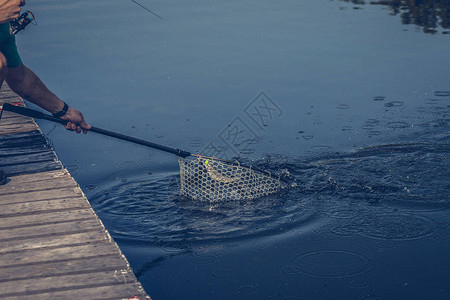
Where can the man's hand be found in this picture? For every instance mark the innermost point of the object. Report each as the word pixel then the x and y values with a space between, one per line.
pixel 26 84
pixel 76 121
pixel 10 9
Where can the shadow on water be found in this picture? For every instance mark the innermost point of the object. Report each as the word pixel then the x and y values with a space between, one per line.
pixel 430 15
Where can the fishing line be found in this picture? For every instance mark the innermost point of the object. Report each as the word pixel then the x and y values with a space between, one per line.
pixel 147 9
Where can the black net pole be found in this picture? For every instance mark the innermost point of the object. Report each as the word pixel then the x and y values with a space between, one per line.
pixel 39 115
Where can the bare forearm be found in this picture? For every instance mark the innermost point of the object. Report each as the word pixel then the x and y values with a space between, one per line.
pixel 27 84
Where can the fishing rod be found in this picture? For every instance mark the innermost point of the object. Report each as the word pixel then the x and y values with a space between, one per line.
pixel 28 17
pixel 147 9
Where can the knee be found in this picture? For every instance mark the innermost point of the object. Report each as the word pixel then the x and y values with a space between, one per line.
pixel 3 67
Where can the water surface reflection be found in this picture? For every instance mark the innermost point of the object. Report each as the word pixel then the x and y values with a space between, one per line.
pixel 430 15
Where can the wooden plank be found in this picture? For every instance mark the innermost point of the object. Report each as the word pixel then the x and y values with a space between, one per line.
pixel 71 267
pixel 23 187
pixel 91 292
pixel 8 97
pixel 30 161
pixel 53 246
pixel 8 118
pixel 35 258
pixel 39 207
pixel 43 176
pixel 29 134
pixel 5 153
pixel 65 282
pixel 32 168
pixel 14 187
pixel 23 139
pixel 12 122
pixel 28 158
pixel 16 127
pixel 40 195
pixel 83 266
pixel 66 239
pixel 6 92
pixel 56 229
pixel 11 116
pixel 64 216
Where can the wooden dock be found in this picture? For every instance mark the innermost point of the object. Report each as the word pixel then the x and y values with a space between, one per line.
pixel 52 244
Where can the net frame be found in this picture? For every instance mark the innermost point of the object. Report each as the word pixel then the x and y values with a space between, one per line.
pixel 212 179
pixel 203 178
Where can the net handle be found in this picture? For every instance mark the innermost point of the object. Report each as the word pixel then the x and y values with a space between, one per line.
pixel 39 115
pixel 181 153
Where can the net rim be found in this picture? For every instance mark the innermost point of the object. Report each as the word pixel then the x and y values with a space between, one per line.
pixel 238 164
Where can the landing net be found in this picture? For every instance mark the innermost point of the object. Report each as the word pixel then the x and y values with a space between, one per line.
pixel 212 179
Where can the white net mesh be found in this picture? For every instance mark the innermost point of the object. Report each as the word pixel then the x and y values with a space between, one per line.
pixel 206 178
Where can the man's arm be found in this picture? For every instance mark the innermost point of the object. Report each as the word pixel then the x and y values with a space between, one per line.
pixel 26 84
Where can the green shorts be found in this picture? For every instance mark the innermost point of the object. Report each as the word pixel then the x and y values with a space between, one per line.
pixel 8 47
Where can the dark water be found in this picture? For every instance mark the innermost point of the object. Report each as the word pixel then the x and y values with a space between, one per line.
pixel 351 101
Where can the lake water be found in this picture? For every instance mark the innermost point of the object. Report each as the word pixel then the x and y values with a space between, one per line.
pixel 349 102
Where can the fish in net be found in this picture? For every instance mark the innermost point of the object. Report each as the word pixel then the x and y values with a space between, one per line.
pixel 213 179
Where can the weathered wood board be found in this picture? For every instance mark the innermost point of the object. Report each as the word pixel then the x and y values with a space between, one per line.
pixel 52 244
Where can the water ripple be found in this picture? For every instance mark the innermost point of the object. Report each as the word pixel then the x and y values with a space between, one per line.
pixel 331 264
pixel 375 192
pixel 148 208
